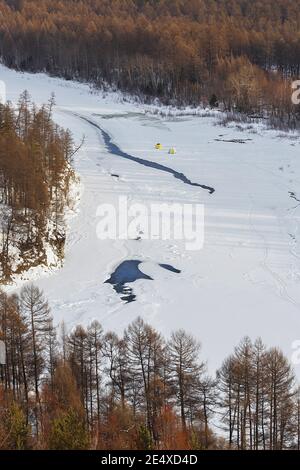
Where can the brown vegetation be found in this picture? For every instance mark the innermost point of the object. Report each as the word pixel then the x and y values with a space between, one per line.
pixel 35 176
pixel 94 390
pixel 241 54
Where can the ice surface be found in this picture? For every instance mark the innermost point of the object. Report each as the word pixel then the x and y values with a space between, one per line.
pixel 246 279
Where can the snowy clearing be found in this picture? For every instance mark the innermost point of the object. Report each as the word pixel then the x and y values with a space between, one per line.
pixel 246 279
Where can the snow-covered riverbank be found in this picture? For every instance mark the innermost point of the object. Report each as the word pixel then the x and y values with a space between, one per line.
pixel 246 279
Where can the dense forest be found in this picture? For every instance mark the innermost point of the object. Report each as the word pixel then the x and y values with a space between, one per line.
pixel 35 176
pixel 90 389
pixel 238 54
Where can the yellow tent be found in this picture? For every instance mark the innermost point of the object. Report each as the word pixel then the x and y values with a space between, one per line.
pixel 158 147
pixel 172 151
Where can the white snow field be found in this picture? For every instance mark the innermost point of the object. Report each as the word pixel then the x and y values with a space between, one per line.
pixel 245 281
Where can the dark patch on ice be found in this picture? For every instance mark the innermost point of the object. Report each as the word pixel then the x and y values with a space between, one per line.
pixel 294 196
pixel 118 115
pixel 115 150
pixel 127 272
pixel 170 268
pixel 114 175
pixel 234 141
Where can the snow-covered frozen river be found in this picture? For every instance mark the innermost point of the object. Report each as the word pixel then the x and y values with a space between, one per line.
pixel 245 281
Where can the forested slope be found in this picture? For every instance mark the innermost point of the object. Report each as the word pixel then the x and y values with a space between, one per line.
pixel 94 389
pixel 35 176
pixel 244 52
